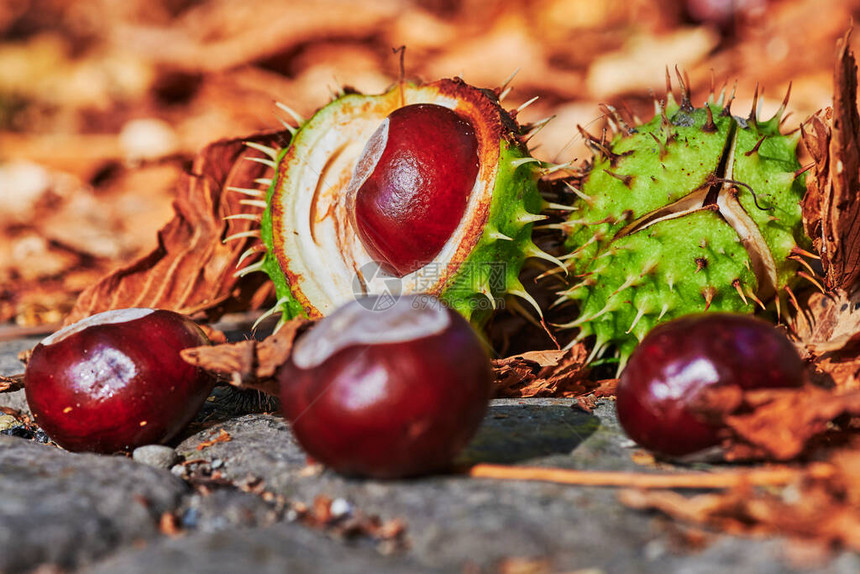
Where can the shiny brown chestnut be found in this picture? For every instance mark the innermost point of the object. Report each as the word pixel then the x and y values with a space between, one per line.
pixel 387 393
pixel 115 380
pixel 416 175
pixel 657 394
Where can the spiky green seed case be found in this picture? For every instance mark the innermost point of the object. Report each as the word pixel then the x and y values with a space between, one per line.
pixel 492 269
pixel 694 210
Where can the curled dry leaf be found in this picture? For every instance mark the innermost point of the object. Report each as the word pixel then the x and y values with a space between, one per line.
pixel 349 522
pixel 192 271
pixel 820 506
pixel 815 132
pixel 831 209
pixel 828 333
pixel 250 364
pixel 830 323
pixel 213 36
pixel 170 525
pixel 775 424
pixel 841 371
pixel 555 373
pixel 10 384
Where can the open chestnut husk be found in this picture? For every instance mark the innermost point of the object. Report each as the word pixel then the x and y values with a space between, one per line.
pixel 115 381
pixel 387 393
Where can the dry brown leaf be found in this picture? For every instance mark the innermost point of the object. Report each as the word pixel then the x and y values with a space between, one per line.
pixel 352 523
pixel 556 373
pixel 215 36
pixel 832 210
pixel 822 505
pixel 837 370
pixel 830 322
pixel 250 364
pixel 170 525
pixel 10 384
pixel 774 424
pixel 828 333
pixel 815 132
pixel 193 270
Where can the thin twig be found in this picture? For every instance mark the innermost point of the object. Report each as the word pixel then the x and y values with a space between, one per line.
pixel 774 476
pixel 12 332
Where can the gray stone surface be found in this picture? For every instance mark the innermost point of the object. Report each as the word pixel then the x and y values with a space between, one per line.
pixel 279 549
pixel 234 505
pixel 225 509
pixel 65 509
pixel 10 365
pixel 456 522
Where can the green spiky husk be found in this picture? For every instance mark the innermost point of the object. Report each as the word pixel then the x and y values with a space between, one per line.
pixel 287 305
pixel 492 269
pixel 628 278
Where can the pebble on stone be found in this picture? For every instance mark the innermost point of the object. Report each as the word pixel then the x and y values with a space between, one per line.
pixel 155 455
pixel 7 422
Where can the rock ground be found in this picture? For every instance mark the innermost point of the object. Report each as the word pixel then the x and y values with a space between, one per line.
pixel 253 503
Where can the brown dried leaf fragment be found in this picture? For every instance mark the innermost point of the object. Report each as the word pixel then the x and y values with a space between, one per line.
pixel 832 206
pixel 602 389
pixel 212 37
pixel 550 373
pixel 341 519
pixel 192 271
pixel 233 360
pixel 839 371
pixel 829 323
pixel 170 525
pixel 815 132
pixel 820 506
pixel 828 333
pixel 775 424
pixel 11 384
pixel 223 436
pixel 250 364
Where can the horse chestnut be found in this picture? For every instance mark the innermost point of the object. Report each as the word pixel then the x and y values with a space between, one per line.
pixel 387 393
pixel 412 185
pixel 115 380
pixel 680 358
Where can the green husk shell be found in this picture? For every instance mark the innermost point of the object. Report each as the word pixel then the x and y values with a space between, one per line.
pixel 311 251
pixel 694 210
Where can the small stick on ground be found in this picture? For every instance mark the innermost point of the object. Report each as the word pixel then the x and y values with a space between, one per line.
pixel 771 476
pixel 13 332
